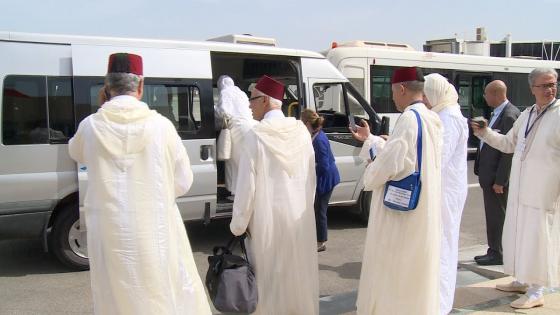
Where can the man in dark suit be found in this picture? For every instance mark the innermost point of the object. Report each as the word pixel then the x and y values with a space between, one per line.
pixel 492 168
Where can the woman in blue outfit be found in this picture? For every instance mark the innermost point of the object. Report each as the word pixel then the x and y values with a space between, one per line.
pixel 327 173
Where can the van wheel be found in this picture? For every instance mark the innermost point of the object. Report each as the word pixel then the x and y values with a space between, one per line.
pixel 365 203
pixel 67 241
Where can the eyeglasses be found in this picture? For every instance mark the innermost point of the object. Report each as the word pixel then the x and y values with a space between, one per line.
pixel 552 85
pixel 254 98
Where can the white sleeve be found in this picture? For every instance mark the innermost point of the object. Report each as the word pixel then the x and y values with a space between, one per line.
pixel 505 143
pixel 397 159
pixel 371 141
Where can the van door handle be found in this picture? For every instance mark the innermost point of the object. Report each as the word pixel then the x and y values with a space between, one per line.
pixel 205 152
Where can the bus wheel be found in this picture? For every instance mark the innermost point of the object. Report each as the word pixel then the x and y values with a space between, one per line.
pixel 365 203
pixel 67 241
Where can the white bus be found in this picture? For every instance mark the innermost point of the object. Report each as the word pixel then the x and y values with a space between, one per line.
pixel 51 82
pixel 369 66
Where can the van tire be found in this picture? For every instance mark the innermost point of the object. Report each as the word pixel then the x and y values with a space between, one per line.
pixel 364 203
pixel 59 239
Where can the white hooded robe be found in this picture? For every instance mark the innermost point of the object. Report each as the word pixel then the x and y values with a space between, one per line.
pixel 400 268
pixel 531 237
pixel 274 201
pixel 454 187
pixel 140 257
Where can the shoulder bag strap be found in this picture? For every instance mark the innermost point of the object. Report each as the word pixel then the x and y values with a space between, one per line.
pixel 418 141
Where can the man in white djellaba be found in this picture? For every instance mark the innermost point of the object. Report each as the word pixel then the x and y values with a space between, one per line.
pixel 140 257
pixel 400 269
pixel 274 202
pixel 234 112
pixel 531 236
pixel 441 97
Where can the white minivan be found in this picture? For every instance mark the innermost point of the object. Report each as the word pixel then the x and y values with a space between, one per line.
pixel 51 82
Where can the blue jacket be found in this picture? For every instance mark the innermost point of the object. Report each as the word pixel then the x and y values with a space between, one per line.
pixel 325 167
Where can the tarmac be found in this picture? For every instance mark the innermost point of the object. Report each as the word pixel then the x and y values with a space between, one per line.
pixel 475 292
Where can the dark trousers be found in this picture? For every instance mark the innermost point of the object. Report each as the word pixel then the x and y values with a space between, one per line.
pixel 495 208
pixel 321 205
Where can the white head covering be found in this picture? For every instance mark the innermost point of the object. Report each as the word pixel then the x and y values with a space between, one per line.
pixel 439 92
pixel 232 102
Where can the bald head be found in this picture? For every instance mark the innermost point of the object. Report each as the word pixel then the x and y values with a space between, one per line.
pixel 495 93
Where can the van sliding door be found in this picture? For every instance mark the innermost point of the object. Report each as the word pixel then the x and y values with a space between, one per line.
pixel 177 84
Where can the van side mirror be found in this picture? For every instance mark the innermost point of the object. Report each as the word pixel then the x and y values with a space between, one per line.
pixel 385 122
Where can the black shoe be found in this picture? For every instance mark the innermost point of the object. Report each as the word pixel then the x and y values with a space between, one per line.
pixel 480 256
pixel 490 260
pixel 489 252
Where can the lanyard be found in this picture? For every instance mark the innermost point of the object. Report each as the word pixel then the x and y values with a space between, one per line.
pixel 529 128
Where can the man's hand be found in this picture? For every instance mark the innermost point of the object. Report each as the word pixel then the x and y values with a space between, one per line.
pixel 362 131
pixel 478 125
pixel 499 189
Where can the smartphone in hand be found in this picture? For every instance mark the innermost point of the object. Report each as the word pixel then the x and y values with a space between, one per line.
pixel 480 121
pixel 352 122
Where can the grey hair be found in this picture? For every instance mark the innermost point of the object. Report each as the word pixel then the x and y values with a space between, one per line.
pixel 414 86
pixel 276 103
pixel 122 83
pixel 537 72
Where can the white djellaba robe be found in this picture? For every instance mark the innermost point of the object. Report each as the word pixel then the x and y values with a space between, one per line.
pixel 400 267
pixel 454 186
pixel 531 236
pixel 140 258
pixel 274 201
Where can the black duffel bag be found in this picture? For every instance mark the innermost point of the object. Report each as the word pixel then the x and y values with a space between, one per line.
pixel 231 280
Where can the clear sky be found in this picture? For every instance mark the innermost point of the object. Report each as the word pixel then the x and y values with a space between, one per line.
pixel 311 25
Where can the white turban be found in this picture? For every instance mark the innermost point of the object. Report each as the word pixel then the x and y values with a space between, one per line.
pixel 439 92
pixel 232 102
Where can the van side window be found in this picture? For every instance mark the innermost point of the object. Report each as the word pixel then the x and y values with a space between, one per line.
pixel 187 103
pixel 61 109
pixel 329 103
pixel 178 103
pixel 24 110
pixel 37 110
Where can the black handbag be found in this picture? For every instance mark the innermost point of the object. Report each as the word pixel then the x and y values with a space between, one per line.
pixel 231 280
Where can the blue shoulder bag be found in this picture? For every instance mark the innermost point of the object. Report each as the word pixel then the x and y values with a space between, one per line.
pixel 403 195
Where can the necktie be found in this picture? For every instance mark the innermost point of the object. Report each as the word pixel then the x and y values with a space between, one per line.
pixel 490 123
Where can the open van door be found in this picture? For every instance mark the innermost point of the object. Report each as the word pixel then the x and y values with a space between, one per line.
pixel 178 84
pixel 328 95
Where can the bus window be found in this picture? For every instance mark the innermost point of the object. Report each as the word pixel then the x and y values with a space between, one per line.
pixel 518 90
pixel 381 97
pixel 478 85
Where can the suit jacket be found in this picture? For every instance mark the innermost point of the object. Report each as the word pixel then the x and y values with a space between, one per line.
pixel 491 165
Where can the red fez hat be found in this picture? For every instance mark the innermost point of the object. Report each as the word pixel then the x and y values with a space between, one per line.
pixel 125 63
pixel 270 87
pixel 405 74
